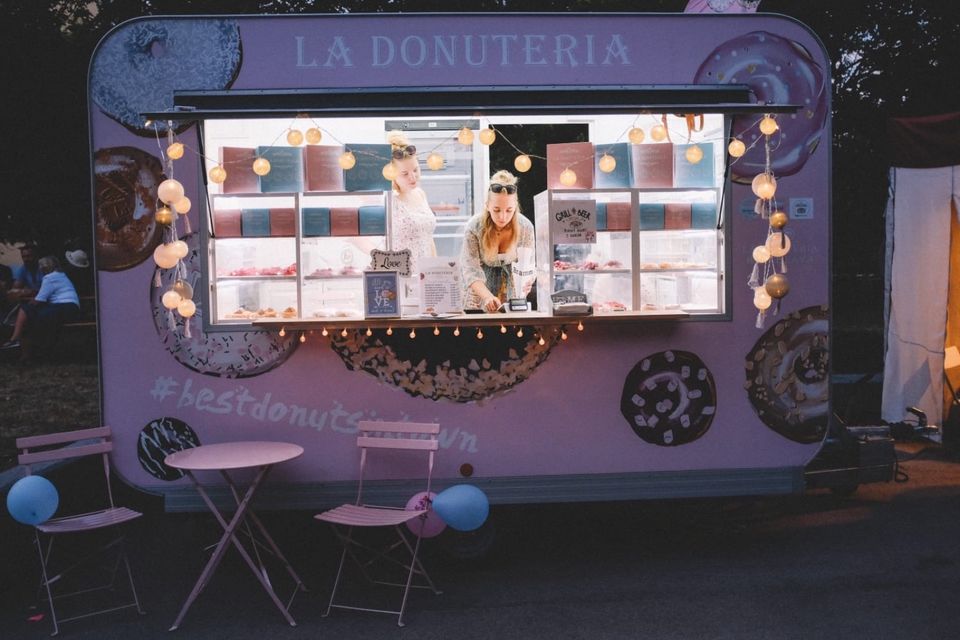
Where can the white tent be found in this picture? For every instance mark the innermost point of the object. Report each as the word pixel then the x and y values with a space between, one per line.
pixel 920 313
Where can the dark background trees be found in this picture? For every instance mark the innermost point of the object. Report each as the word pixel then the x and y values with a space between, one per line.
pixel 890 58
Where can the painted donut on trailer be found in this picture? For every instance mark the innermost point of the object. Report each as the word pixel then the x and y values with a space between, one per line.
pixel 160 438
pixel 232 354
pixel 788 379
pixel 778 71
pixel 459 368
pixel 669 398
pixel 125 201
pixel 137 67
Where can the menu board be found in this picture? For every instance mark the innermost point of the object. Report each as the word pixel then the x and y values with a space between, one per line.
pixel 441 288
pixel 575 221
pixel 381 294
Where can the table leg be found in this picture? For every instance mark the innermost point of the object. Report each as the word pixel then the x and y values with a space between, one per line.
pixel 229 536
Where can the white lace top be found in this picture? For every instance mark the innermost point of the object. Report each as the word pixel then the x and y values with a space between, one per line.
pixel 412 228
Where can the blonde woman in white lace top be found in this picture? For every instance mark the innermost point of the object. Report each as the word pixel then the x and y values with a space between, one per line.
pixel 413 220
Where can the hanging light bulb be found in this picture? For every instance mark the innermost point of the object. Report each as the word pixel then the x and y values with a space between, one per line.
pixel 778 220
pixel 175 151
pixel 324 333
pixel 183 289
pixel 169 191
pixel 179 248
pixel 522 163
pixel 369 332
pixel 503 328
pixel 541 341
pixel 347 160
pixel 579 325
pixel 261 166
pixel 519 332
pixel 636 135
pixel 736 148
pixel 436 331
pixel 389 331
pixel 768 126
pixel 563 334
pixel 314 136
pixel 465 136
pixel 283 332
pixel 164 257
pixel 760 254
pixel 778 244
pixel 413 333
pixel 658 133
pixel 171 299
pixel 761 299
pixel 182 205
pixel 389 172
pixel 777 286
pixel 479 333
pixel 764 186
pixel 218 174
pixel 607 163
pixel 568 177
pixel 694 154
pixel 294 137
pixel 487 136
pixel 456 331
pixel 163 216
pixel 435 161
pixel 343 334
pixel 187 308
pixel 303 337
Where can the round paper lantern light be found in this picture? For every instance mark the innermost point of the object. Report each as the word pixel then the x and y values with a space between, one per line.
pixel 187 308
pixel 768 126
pixel 764 186
pixel 736 148
pixel 164 256
pixel 183 289
pixel 778 220
pixel 179 248
pixel 607 163
pixel 636 135
pixel 389 172
pixel 261 166
pixel 163 215
pixel 218 174
pixel 568 177
pixel 760 254
pixel 694 154
pixel 294 137
pixel 171 300
pixel 314 136
pixel 658 133
pixel 778 244
pixel 777 286
pixel 465 136
pixel 435 161
pixel 175 151
pixel 522 163
pixel 182 205
pixel 487 136
pixel 169 191
pixel 347 160
pixel 761 299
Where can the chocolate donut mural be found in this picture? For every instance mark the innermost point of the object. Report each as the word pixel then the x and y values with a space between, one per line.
pixel 778 71
pixel 459 368
pixel 160 438
pixel 669 398
pixel 125 201
pixel 139 66
pixel 238 354
pixel 788 375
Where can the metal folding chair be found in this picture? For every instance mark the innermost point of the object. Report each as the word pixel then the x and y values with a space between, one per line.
pixel 349 520
pixel 68 445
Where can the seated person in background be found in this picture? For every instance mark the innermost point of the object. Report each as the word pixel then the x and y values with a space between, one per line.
pixel 490 244
pixel 55 303
pixel 6 304
pixel 26 277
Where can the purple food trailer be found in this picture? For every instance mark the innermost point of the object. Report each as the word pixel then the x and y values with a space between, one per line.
pixel 675 340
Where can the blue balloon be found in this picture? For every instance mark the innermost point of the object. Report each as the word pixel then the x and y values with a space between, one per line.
pixel 463 507
pixel 32 500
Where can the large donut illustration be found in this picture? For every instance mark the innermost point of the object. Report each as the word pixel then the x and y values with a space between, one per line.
pixel 126 199
pixel 160 438
pixel 458 368
pixel 669 398
pixel 234 354
pixel 138 67
pixel 788 380
pixel 778 71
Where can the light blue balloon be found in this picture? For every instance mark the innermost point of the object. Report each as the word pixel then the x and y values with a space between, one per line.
pixel 32 500
pixel 463 507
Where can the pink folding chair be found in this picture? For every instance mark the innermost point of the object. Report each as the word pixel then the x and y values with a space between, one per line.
pixel 349 520
pixel 69 445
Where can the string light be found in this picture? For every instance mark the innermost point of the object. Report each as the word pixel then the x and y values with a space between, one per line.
pixel 487 136
pixel 736 148
pixel 607 163
pixel 218 174
pixel 303 337
pixel 413 333
pixel 171 300
pixel 658 133
pixel 541 341
pixel 768 126
pixel 182 206
pixel 694 154
pixel 343 334
pixel 522 163
pixel 324 332
pixel 636 135
pixel 456 331
pixel 436 331
pixel 465 136
pixel 580 325
pixel 347 160
pixel 764 186
pixel 163 216
pixel 169 191
pixel 314 136
pixel 519 332
pixel 568 177
pixel 435 161
pixel 175 151
pixel 369 332
pixel 389 331
pixel 389 172
pixel 503 328
pixel 283 331
pixel 563 334
pixel 261 166
pixel 479 333
pixel 294 137
pixel 187 308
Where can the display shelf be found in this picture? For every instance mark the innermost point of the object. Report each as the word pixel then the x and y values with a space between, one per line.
pixel 256 278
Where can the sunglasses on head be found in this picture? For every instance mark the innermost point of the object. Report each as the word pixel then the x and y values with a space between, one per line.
pixel 496 187
pixel 404 152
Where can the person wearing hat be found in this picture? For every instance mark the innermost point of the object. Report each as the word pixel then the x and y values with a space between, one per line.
pixel 78 270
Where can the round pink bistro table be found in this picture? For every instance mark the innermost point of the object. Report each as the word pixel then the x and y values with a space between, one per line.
pixel 232 456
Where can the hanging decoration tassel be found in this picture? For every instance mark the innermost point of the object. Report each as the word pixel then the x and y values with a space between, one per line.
pixel 186 328
pixel 783 264
pixel 171 321
pixel 156 278
pixel 754 280
pixel 760 318
pixel 186 225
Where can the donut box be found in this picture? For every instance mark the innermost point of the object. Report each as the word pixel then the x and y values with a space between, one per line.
pixel 344 221
pixel 620 176
pixel 693 174
pixel 283 222
pixel 676 215
pixel 322 171
pixel 576 156
pixel 227 223
pixel 286 169
pixel 652 165
pixel 238 162
pixel 367 173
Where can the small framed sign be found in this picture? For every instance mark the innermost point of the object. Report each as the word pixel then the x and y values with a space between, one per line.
pixel 381 294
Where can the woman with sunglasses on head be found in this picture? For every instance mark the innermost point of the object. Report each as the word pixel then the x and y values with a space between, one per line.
pixel 413 220
pixel 490 244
